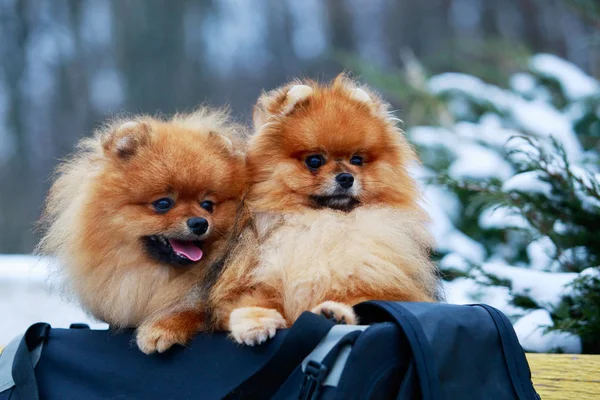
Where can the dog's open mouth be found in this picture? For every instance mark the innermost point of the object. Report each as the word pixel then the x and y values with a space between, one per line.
pixel 340 202
pixel 173 251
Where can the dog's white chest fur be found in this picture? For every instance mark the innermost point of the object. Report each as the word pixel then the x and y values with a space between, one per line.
pixel 326 255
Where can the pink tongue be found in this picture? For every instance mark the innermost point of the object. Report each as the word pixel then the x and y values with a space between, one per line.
pixel 187 249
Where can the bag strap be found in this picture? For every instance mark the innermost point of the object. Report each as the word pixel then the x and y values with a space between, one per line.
pixel 518 368
pixel 315 372
pixel 422 352
pixel 22 369
pixel 306 333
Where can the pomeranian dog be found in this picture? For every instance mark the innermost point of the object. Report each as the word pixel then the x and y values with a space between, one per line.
pixel 138 213
pixel 335 214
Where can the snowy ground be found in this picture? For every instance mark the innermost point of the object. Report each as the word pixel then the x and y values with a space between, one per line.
pixel 26 298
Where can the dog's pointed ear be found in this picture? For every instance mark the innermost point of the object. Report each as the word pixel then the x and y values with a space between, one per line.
pixel 124 138
pixel 229 145
pixel 360 95
pixel 224 140
pixel 295 95
pixel 280 102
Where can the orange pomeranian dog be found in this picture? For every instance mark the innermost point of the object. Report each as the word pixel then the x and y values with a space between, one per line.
pixel 135 217
pixel 335 219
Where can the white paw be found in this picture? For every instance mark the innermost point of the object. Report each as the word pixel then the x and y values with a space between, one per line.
pixel 254 325
pixel 340 313
pixel 153 338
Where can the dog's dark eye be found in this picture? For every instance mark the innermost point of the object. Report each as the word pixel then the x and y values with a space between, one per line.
pixel 356 160
pixel 163 205
pixel 208 205
pixel 314 161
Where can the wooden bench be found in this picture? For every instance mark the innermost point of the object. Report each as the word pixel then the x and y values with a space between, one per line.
pixel 563 376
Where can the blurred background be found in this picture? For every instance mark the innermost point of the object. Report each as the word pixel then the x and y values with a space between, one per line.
pixel 463 75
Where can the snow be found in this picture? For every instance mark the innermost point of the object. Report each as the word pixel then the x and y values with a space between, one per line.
pixel 468 291
pixel 478 162
pixel 574 82
pixel 523 83
pixel 460 108
pixel 540 253
pixel 542 94
pixel 441 204
pixel 431 136
pixel 456 262
pixel 520 150
pixel 501 217
pixel 26 297
pixel 575 111
pixel 528 182
pixel 534 117
pixel 560 227
pixel 588 181
pixel 447 237
pixel 591 272
pixel 24 268
pixel 488 131
pixel 477 90
pixel 531 328
pixel 543 120
pixel 461 291
pixel 471 160
pixel 446 200
pixel 574 255
pixel 545 288
pixel 457 241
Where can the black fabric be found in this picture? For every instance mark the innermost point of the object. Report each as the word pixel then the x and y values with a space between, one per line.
pixel 423 358
pixel 23 372
pixel 474 356
pixel 516 362
pixel 373 370
pixel 410 351
pixel 79 325
pixel 301 339
pixel 7 395
pixel 316 372
pixel 94 364
pixel 376 365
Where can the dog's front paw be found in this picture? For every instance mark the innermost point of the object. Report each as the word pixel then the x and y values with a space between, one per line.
pixel 155 338
pixel 338 312
pixel 161 335
pixel 254 325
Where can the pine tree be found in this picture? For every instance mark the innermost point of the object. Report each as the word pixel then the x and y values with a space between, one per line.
pixel 512 182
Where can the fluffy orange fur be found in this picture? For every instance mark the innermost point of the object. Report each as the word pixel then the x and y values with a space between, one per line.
pixel 311 245
pixel 99 216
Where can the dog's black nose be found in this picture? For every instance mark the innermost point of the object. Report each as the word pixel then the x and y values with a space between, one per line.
pixel 198 225
pixel 345 180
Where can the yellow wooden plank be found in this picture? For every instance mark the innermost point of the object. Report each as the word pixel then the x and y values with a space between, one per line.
pixel 565 376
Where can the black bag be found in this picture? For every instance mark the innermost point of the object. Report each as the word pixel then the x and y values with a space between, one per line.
pixel 404 351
